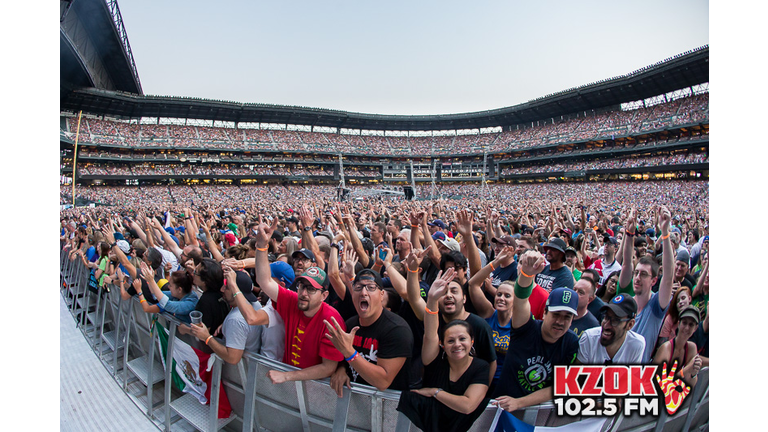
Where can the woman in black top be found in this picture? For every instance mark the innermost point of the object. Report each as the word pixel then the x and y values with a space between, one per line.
pixel 455 383
pixel 209 278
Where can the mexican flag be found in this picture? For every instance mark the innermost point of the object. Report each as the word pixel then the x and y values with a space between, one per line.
pixel 192 370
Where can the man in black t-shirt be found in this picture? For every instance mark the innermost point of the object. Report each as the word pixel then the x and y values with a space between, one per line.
pixel 378 347
pixel 535 347
pixel 556 274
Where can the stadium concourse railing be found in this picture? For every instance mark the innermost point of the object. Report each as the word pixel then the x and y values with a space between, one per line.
pixel 120 333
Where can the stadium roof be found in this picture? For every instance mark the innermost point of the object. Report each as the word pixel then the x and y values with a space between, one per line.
pixel 94 48
pixel 684 70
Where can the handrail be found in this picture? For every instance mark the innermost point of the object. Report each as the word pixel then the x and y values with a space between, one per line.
pixel 342 416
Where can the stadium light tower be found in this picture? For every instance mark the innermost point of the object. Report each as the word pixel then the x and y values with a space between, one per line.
pixel 341 171
pixel 434 174
pixel 413 179
pixel 484 184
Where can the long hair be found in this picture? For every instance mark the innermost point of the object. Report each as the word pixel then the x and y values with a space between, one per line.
pixel 673 312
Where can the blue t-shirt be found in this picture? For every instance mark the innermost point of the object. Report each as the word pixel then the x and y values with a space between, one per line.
pixel 502 274
pixel 648 324
pixel 91 254
pixel 500 335
pixel 550 279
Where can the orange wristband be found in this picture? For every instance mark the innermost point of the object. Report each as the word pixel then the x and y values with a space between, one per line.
pixel 209 338
pixel 262 249
pixel 142 301
pixel 492 268
pixel 413 271
pixel 414 226
pixel 665 237
pixel 429 311
pixel 523 273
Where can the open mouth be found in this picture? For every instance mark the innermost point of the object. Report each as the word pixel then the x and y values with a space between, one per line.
pixel 363 305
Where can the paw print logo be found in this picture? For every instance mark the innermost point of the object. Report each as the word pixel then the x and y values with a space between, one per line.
pixel 675 390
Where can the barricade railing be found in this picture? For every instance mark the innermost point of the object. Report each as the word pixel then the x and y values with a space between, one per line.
pixel 257 404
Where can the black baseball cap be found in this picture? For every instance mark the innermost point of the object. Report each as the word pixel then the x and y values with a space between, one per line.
pixel 245 285
pixel 368 274
pixel 306 252
pixel 622 305
pixel 557 244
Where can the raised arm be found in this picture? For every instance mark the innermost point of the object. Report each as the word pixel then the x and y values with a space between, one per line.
pixel 357 245
pixel 531 264
pixel 307 238
pixel 212 246
pixel 168 242
pixel 484 307
pixel 412 264
pixel 667 260
pixel 464 225
pixel 627 250
pixel 431 347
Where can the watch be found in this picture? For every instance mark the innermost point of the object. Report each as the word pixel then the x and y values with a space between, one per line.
pixel 307 228
pixel 113 245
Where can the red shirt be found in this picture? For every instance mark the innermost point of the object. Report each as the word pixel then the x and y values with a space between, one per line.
pixel 305 341
pixel 538 301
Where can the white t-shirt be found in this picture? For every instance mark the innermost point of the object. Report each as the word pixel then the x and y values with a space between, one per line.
pixel 273 336
pixel 591 352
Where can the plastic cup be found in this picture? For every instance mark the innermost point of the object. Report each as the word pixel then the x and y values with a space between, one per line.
pixel 196 317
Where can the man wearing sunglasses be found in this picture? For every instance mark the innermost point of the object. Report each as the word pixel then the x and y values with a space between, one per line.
pixel 613 341
pixel 378 348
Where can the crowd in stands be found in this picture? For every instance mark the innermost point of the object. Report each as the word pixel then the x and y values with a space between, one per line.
pixel 448 301
pixel 693 109
pixel 619 163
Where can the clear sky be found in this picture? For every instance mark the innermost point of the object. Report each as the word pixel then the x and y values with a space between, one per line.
pixel 400 57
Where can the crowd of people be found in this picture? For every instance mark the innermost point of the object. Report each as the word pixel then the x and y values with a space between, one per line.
pixel 448 301
pixel 617 163
pixel 617 123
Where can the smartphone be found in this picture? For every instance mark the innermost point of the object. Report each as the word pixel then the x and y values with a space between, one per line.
pixel 382 254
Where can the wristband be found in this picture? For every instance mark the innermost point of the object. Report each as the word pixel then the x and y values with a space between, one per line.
pixel 235 294
pixel 352 357
pixel 426 308
pixel 262 249
pixel 492 267
pixel 209 338
pixel 414 226
pixel 113 245
pixel 665 237
pixel 142 301
pixel 523 292
pixel 413 271
pixel 629 234
pixel 523 273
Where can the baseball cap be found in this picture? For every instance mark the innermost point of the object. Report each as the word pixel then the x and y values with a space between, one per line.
pixel 124 246
pixel 684 256
pixel 438 236
pixel 170 230
pixel 368 274
pixel 505 240
pixel 230 239
pixel 245 285
pixel 451 244
pixel 563 299
pixel 438 223
pixel 622 305
pixel 315 276
pixel 570 249
pixel 161 283
pixel 650 232
pixel 691 312
pixel 306 252
pixel 119 236
pixel 556 243
pixel 292 219
pixel 283 272
pixel 612 240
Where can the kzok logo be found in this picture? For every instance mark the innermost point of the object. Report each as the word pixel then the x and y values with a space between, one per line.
pixel 577 386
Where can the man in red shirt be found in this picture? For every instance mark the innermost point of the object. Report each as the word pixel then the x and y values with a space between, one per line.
pixel 303 312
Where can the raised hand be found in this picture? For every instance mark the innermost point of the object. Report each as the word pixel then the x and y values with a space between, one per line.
pixel 341 339
pixel 532 263
pixel 413 260
pixel 464 223
pixel 665 217
pixel 440 285
pixel 675 390
pixel 348 265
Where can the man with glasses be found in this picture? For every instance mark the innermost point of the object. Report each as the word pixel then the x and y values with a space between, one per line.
pixel 378 348
pixel 303 311
pixel 613 341
pixel 638 282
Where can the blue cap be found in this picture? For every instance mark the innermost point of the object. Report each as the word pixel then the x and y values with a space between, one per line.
pixel 119 236
pixel 170 230
pixel 563 299
pixel 438 236
pixel 181 229
pixel 283 272
pixel 437 223
pixel 706 238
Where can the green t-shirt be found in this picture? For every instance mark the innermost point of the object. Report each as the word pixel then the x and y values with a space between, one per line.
pixel 103 267
pixel 629 289
pixel 700 302
pixel 576 274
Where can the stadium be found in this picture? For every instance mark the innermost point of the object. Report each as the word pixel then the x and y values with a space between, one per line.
pixel 641 137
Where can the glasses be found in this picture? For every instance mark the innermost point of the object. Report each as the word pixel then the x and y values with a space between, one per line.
pixel 642 274
pixel 615 321
pixel 309 289
pixel 369 288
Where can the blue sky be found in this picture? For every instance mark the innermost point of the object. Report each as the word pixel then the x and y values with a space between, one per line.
pixel 400 57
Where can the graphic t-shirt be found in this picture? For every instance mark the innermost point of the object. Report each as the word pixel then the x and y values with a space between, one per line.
pixel 529 363
pixel 500 335
pixel 388 337
pixel 588 321
pixel 502 274
pixel 305 341
pixel 551 279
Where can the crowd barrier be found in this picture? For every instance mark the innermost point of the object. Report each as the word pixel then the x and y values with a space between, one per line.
pixel 121 336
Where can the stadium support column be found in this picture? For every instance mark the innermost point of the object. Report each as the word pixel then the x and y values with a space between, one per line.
pixel 484 185
pixel 74 160
pixel 434 174
pixel 413 181
pixel 341 171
